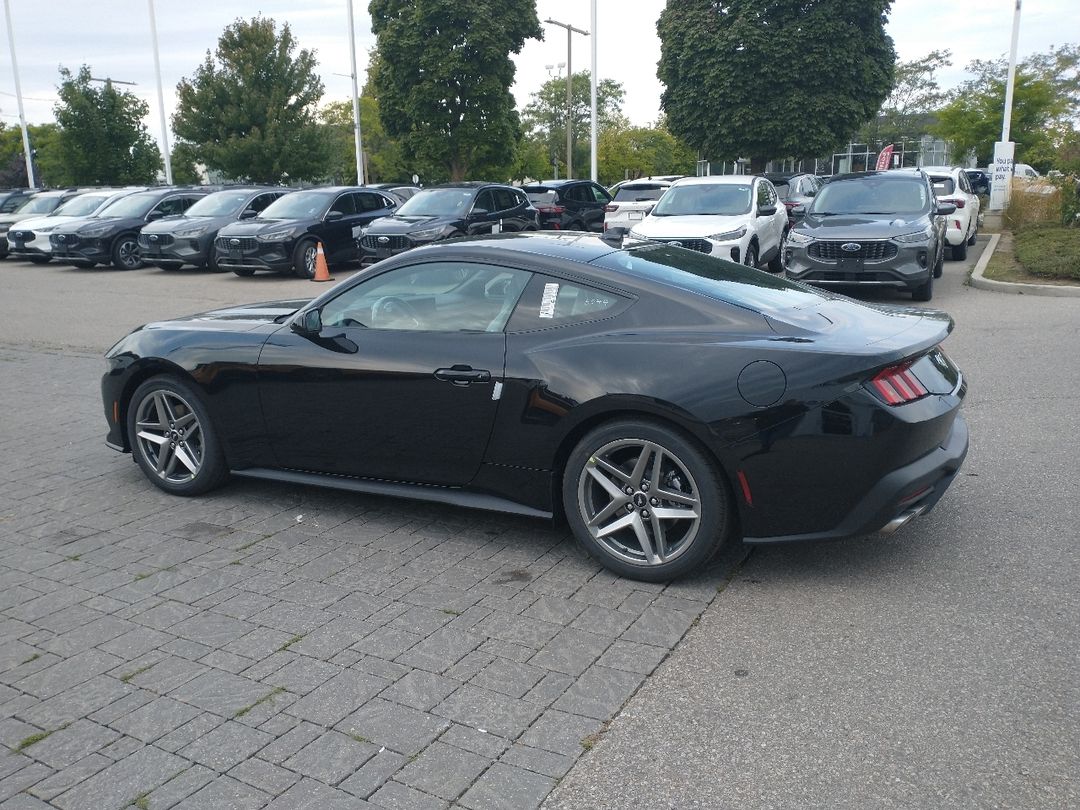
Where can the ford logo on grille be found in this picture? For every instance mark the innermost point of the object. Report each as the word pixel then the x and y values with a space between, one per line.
pixel 234 241
pixel 61 238
pixel 153 237
pixel 851 247
pixel 384 240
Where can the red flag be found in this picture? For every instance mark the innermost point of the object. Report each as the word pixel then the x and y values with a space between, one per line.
pixel 884 158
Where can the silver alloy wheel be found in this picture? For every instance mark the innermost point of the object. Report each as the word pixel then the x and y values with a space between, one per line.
pixel 310 253
pixel 128 253
pixel 639 501
pixel 169 436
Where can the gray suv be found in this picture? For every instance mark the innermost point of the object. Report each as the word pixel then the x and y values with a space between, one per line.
pixel 884 229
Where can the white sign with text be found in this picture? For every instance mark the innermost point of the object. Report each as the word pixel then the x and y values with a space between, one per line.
pixel 1001 172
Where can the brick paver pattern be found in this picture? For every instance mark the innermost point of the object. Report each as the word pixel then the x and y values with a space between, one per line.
pixel 276 646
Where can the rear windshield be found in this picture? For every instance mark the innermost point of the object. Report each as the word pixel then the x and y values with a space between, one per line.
pixel 709 276
pixel 942 185
pixel 871 195
pixel 539 195
pixel 639 193
pixel 725 199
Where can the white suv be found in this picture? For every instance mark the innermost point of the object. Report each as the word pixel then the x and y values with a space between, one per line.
pixel 633 201
pixel 951 185
pixel 736 217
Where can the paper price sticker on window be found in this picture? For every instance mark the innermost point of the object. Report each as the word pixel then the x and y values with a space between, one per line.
pixel 547 303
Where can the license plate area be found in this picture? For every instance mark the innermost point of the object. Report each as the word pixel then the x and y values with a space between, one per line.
pixel 849 265
pixel 635 215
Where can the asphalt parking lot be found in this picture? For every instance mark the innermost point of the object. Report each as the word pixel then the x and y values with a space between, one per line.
pixel 274 646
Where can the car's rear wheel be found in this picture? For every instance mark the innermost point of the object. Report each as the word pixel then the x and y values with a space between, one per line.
pixel 645 501
pixel 751 257
pixel 959 252
pixel 974 235
pixel 172 438
pixel 924 292
pixel 125 253
pixel 304 259
pixel 776 263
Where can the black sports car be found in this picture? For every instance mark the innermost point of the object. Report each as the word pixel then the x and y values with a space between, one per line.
pixel 661 399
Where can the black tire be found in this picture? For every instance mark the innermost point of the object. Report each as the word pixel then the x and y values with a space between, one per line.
pixel 40 259
pixel 751 257
pixel 925 291
pixel 212 263
pixel 974 235
pixel 959 252
pixel 304 259
pixel 125 252
pixel 939 265
pixel 244 271
pixel 686 473
pixel 173 411
pixel 776 263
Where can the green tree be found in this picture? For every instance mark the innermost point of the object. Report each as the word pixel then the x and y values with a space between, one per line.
pixel 43 140
pixel 771 78
pixel 184 160
pixel 249 109
pixel 911 106
pixel 444 77
pixel 628 152
pixel 102 139
pixel 1046 102
pixel 382 154
pixel 544 119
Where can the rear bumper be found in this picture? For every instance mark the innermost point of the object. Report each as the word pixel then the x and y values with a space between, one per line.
pixel 890 500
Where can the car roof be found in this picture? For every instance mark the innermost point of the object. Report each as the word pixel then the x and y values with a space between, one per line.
pixel 941 169
pixel 715 179
pixel 888 174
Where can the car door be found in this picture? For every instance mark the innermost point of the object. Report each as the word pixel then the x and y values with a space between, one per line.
pixel 596 200
pixel 484 213
pixel 335 229
pixel 403 379
pixel 765 223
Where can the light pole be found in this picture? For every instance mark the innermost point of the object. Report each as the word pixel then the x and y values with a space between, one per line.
pixel 592 100
pixel 355 99
pixel 18 98
pixel 160 98
pixel 570 31
pixel 1004 150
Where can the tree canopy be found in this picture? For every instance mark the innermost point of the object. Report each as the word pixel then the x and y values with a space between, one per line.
pixel 911 106
pixel 444 78
pixel 1046 103
pixel 772 78
pixel 102 139
pixel 544 118
pixel 628 152
pixel 249 110
pixel 43 140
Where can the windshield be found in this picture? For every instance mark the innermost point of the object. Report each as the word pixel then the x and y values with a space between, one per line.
pixel 299 205
pixel 38 205
pixel 134 205
pixel 438 202
pixel 725 199
pixel 82 205
pixel 219 204
pixel 707 275
pixel 639 193
pixel 871 195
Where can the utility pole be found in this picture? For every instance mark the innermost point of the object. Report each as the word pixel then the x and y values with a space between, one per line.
pixel 592 96
pixel 160 99
pixel 355 99
pixel 1004 150
pixel 18 98
pixel 570 30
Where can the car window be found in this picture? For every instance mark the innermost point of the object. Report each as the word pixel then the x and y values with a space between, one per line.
pixel 431 297
pixel 876 194
pixel 366 201
pixel 344 204
pixel 173 206
pixel 691 199
pixel 486 200
pixel 762 193
pixel 637 193
pixel 943 186
pixel 12 202
pixel 263 200
pixel 504 199
pixel 549 302
pixel 965 186
pixel 543 196
pixel 599 195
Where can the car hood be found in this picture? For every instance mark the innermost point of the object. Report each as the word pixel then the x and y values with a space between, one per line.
pixel 173 224
pixel 852 226
pixel 114 223
pixel 253 227
pixel 241 317
pixel 398 224
pixel 654 227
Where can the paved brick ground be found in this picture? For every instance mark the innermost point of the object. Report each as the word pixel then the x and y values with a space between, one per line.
pixel 271 646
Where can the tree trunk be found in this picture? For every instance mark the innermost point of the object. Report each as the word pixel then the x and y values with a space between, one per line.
pixel 458 170
pixel 757 165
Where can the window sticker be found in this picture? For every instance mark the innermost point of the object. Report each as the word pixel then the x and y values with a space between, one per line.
pixel 547 303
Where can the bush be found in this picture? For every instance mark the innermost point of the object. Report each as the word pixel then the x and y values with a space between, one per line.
pixel 1049 252
pixel 1032 204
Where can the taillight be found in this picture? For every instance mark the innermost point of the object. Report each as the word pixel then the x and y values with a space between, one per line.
pixel 789 204
pixel 550 209
pixel 959 203
pixel 610 208
pixel 897 385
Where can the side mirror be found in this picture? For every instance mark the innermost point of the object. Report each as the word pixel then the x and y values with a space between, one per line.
pixel 309 324
pixel 333 216
pixel 766 210
pixel 479 212
pixel 248 213
pixel 944 209
pixel 154 215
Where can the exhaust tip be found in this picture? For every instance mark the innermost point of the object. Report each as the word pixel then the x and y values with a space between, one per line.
pixel 901 520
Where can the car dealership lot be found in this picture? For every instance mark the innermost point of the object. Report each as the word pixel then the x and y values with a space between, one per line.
pixel 278 645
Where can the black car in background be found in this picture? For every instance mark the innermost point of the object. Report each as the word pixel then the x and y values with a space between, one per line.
pixel 884 229
pixel 403 190
pixel 112 236
pixel 189 239
pixel 663 400
pixel 12 198
pixel 284 236
pixel 980 180
pixel 448 211
pixel 796 191
pixel 569 205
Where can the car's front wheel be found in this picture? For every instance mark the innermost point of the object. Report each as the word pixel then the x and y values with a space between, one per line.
pixel 172 438
pixel 751 257
pixel 925 291
pixel 125 253
pixel 776 263
pixel 644 501
pixel 304 259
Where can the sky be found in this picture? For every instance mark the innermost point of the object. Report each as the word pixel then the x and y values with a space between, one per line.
pixel 113 38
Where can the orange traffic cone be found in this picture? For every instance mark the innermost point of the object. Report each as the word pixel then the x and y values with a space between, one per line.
pixel 322 272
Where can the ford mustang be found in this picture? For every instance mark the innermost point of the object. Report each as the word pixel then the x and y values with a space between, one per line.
pixel 659 400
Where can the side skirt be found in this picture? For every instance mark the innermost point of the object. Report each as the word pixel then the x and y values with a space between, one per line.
pixel 417 492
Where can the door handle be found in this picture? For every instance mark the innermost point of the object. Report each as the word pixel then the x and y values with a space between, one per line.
pixel 462 375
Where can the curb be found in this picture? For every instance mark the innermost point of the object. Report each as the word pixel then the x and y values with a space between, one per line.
pixel 1016 288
